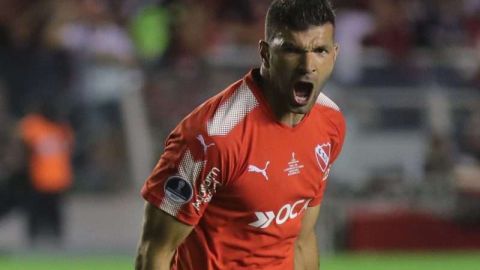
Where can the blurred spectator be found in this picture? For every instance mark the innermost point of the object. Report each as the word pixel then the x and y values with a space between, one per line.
pixel 48 141
pixel 472 22
pixel 97 44
pixel 151 33
pixel 471 136
pixel 472 25
pixel 467 173
pixel 194 32
pixel 354 22
pixel 392 30
pixel 439 158
pixel 240 22
pixel 103 62
pixel 30 68
pixel 437 188
pixel 448 30
pixel 12 180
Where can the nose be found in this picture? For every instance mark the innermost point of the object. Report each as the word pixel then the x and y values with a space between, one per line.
pixel 307 63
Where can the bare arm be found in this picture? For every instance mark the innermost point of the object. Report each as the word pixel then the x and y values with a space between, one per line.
pixel 161 235
pixel 306 251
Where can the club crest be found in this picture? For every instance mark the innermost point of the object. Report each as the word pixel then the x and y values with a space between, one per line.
pixel 322 153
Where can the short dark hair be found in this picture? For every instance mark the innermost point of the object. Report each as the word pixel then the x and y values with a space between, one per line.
pixel 297 15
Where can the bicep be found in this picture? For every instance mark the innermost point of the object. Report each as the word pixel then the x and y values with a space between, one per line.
pixel 161 235
pixel 163 229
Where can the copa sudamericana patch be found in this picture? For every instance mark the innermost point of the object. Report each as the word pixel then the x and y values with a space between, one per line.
pixel 178 189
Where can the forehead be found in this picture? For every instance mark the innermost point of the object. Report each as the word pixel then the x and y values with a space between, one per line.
pixel 313 35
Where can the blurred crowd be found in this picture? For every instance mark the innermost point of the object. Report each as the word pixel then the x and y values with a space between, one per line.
pixel 83 57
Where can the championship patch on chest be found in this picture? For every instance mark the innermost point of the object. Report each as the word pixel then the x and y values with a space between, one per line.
pixel 322 153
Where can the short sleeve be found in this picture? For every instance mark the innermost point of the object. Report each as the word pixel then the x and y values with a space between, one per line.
pixel 336 146
pixel 186 177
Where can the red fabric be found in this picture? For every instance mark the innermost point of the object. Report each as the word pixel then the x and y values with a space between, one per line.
pixel 243 177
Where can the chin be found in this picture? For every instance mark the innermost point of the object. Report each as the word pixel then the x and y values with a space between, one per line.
pixel 301 109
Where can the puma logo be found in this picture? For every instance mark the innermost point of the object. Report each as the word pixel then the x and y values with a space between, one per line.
pixel 253 168
pixel 202 141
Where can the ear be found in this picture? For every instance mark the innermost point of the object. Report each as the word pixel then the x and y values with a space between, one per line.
pixel 264 50
pixel 337 50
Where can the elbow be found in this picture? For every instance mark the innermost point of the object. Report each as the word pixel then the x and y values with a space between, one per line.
pixel 306 238
pixel 306 243
pixel 152 256
pixel 300 246
pixel 142 255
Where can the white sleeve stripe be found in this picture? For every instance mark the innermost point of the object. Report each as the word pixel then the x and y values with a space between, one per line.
pixel 232 111
pixel 327 102
pixel 188 169
pixel 169 206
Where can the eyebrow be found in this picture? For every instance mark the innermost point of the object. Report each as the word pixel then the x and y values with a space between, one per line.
pixel 289 44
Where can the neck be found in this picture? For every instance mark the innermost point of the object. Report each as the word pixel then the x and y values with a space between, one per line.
pixel 290 119
pixel 280 111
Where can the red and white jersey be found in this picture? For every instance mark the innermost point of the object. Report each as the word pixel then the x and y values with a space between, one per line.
pixel 244 180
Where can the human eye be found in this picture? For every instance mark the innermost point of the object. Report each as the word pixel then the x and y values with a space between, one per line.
pixel 322 50
pixel 291 49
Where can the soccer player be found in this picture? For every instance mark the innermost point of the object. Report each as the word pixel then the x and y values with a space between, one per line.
pixel 241 180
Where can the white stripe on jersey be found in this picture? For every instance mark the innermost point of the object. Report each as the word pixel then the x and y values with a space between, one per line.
pixel 232 111
pixel 189 170
pixel 326 101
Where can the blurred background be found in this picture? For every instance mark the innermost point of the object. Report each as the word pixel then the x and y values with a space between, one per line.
pixel 112 78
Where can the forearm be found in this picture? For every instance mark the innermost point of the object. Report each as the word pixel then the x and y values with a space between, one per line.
pixel 152 257
pixel 306 253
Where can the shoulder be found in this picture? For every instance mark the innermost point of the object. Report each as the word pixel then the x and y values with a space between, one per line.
pixel 230 108
pixel 327 103
pixel 220 114
pixel 30 119
pixel 29 124
pixel 333 118
pixel 208 132
pixel 330 110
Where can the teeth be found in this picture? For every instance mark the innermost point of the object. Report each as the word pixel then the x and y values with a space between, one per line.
pixel 301 100
pixel 302 92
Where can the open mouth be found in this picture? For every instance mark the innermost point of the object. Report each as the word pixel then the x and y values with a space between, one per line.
pixel 302 92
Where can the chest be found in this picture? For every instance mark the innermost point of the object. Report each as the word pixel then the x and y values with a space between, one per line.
pixel 276 168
